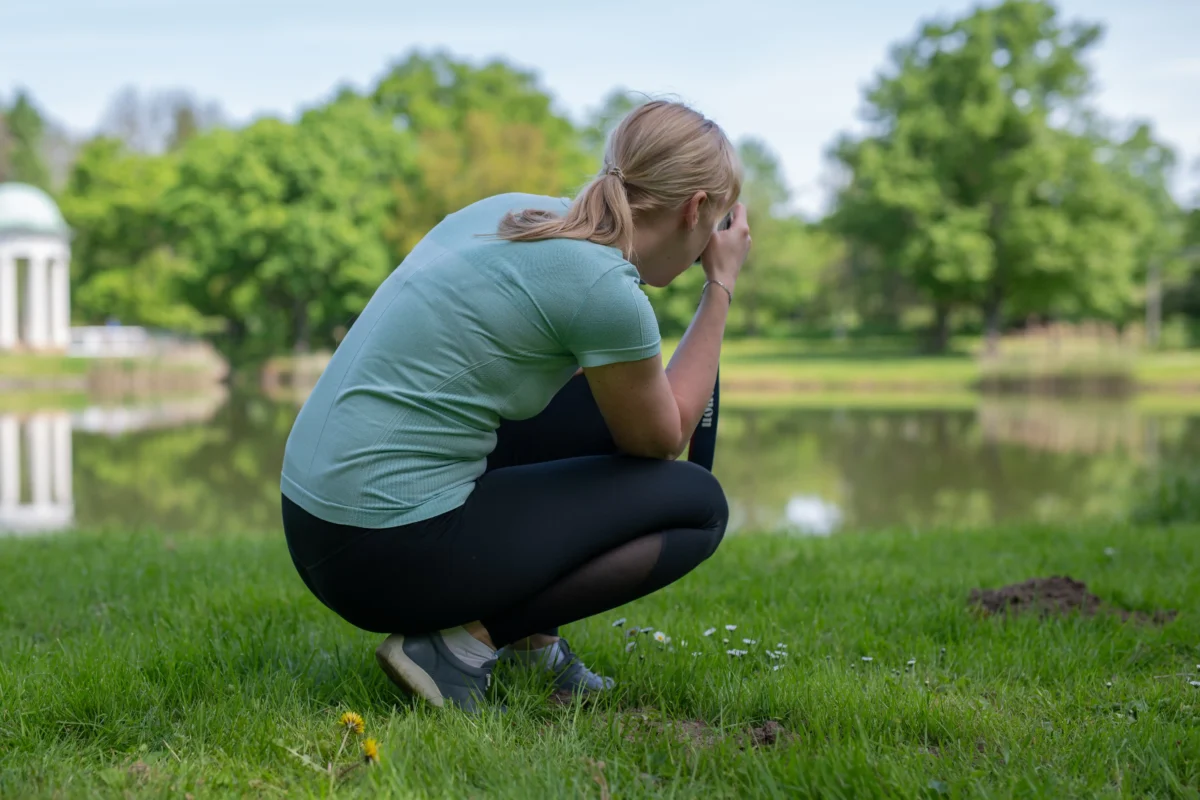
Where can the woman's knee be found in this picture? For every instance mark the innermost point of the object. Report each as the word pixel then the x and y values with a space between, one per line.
pixel 706 496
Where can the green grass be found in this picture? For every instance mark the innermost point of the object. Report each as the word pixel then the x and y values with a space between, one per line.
pixel 809 364
pixel 145 666
pixel 29 365
pixel 894 364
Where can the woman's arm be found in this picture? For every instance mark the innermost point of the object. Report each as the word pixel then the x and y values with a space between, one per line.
pixel 653 412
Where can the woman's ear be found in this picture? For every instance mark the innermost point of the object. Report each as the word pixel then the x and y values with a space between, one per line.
pixel 693 210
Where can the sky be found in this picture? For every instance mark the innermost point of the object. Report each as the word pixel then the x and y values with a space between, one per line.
pixel 789 73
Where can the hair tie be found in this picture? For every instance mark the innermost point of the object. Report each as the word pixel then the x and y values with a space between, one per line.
pixel 616 171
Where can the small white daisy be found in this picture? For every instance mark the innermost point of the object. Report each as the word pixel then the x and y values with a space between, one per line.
pixel 619 623
pixel 697 654
pixel 911 662
pixel 774 667
pixel 1194 683
pixel 647 630
pixel 683 642
pixel 868 659
pixel 749 641
pixel 629 647
pixel 781 644
pixel 772 654
pixel 731 627
pixel 659 636
pixel 726 641
pixel 737 653
pixel 710 631
pixel 1108 684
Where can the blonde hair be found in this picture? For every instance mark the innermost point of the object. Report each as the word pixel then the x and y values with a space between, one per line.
pixel 659 155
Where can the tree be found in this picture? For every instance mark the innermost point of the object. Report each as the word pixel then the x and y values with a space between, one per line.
pixel 123 262
pixel 286 223
pixel 785 269
pixel 978 181
pixel 6 146
pixel 160 121
pixel 21 144
pixel 478 131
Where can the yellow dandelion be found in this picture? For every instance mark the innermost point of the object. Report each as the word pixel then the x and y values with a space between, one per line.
pixel 371 751
pixel 351 722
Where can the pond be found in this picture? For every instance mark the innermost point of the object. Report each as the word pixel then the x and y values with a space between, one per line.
pixel 211 464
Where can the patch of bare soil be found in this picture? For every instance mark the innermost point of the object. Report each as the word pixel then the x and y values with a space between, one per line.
pixel 1057 596
pixel 698 733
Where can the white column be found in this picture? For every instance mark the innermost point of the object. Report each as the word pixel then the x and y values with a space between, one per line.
pixel 60 300
pixel 62 458
pixel 37 432
pixel 36 302
pixel 10 461
pixel 8 300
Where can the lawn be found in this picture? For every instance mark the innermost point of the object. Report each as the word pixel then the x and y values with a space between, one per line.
pixel 140 665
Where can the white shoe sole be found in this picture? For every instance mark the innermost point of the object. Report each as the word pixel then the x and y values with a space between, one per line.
pixel 405 673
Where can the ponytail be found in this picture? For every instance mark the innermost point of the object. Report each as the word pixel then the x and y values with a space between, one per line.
pixel 601 214
pixel 657 157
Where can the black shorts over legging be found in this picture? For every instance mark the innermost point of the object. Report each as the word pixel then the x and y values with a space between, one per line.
pixel 559 527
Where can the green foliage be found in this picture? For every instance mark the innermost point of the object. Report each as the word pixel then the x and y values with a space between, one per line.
pixel 478 131
pixel 124 263
pixel 287 222
pixel 984 192
pixel 21 133
pixel 978 185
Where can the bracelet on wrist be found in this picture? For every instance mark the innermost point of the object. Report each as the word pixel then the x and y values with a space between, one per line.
pixel 710 281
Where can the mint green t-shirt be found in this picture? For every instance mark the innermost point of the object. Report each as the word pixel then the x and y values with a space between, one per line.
pixel 468 329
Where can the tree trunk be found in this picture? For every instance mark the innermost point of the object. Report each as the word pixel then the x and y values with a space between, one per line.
pixel 992 321
pixel 939 338
pixel 1153 305
pixel 303 332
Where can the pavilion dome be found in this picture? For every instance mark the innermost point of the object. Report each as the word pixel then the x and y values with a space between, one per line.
pixel 26 209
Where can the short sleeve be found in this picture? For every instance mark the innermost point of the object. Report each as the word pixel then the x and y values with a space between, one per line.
pixel 614 323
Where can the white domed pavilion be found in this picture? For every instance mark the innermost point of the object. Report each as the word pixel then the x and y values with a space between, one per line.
pixel 35 257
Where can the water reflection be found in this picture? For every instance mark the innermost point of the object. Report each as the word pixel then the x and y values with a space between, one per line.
pixel 812 470
pixel 37 456
pixel 812 515
pixel 211 464
pixel 35 473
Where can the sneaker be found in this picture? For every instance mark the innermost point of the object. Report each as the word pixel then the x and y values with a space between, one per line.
pixel 569 673
pixel 424 667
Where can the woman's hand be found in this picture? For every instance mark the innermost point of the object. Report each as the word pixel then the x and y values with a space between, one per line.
pixel 722 259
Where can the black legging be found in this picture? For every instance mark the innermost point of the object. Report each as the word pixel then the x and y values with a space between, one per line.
pixel 560 527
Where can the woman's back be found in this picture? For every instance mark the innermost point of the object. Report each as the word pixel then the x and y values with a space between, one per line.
pixel 469 329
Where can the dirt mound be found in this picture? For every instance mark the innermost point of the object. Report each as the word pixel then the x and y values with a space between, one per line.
pixel 637 723
pixel 1056 596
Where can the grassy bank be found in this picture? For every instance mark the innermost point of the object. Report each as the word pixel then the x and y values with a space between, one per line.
pixel 25 365
pixel 141 665
pixel 894 364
